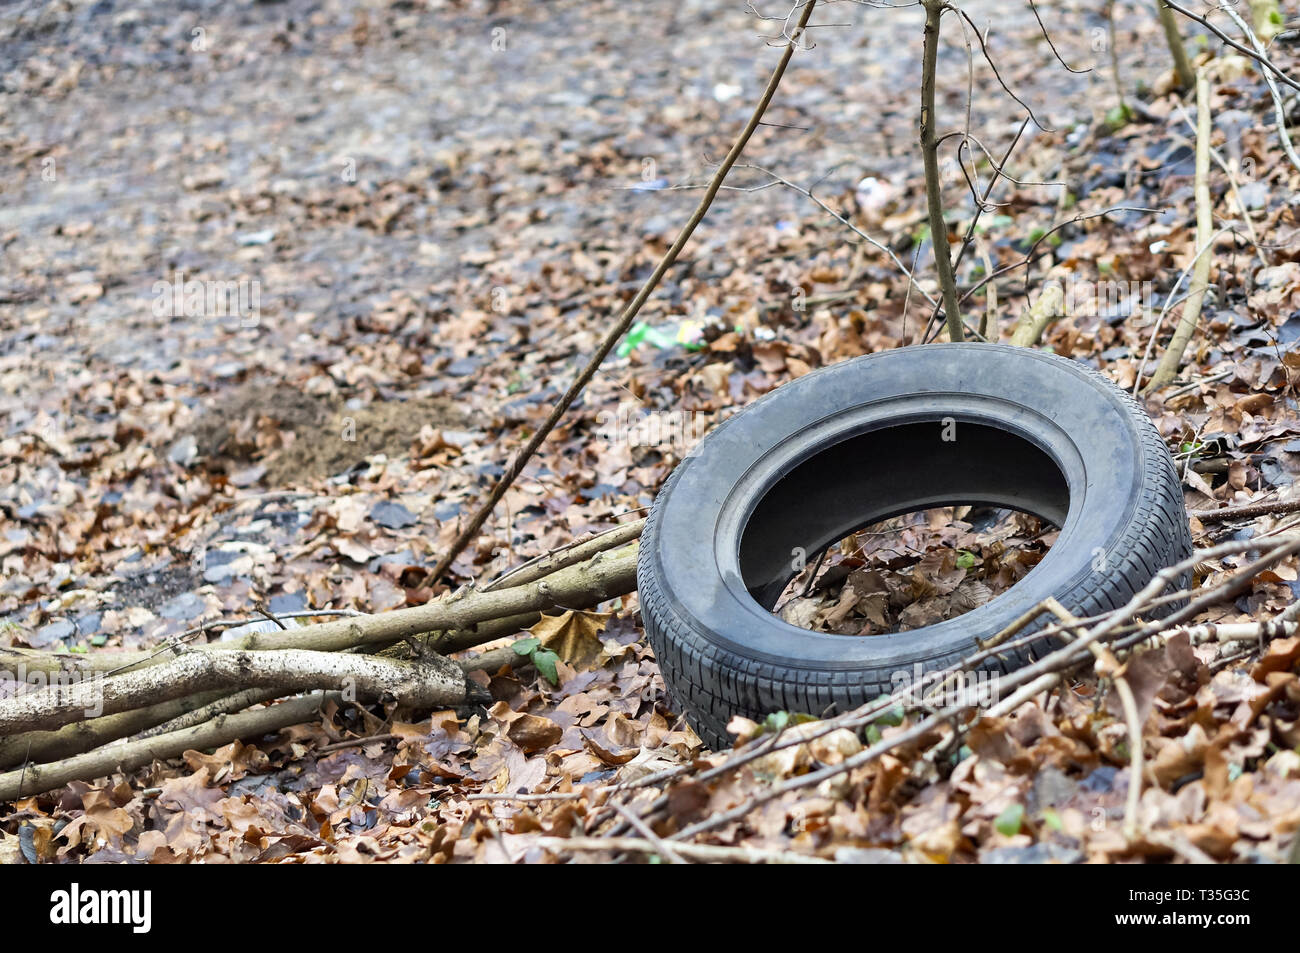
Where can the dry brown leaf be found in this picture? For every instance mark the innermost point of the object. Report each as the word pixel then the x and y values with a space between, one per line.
pixel 573 635
pixel 1282 656
pixel 533 733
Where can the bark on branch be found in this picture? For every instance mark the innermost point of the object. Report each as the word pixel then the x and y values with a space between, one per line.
pixel 431 683
pixel 130 755
pixel 1173 355
pixel 81 736
pixel 462 621
pixel 1031 325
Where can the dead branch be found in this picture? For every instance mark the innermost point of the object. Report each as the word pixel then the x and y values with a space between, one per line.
pixel 1026 682
pixel 1255 55
pixel 1035 320
pixel 702 852
pixel 179 712
pixel 1170 300
pixel 492 660
pixel 1249 511
pixel 1279 111
pixel 1281 627
pixel 225 705
pixel 127 756
pixel 433 682
pixel 1107 666
pixel 446 643
pixel 38 746
pixel 605 576
pixel 1230 169
pixel 565 556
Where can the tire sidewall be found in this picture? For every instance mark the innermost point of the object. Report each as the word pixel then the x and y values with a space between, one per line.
pixel 1079 417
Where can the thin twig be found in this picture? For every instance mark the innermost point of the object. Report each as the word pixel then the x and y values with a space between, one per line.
pixel 1253 54
pixel 665 850
pixel 705 852
pixel 808 193
pixel 1278 111
pixel 629 314
pixel 1248 511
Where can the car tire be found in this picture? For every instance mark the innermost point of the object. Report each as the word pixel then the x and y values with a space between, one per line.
pixel 868 439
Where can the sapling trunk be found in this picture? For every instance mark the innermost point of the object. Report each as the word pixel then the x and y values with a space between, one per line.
pixel 1173 355
pixel 930 156
pixel 1182 67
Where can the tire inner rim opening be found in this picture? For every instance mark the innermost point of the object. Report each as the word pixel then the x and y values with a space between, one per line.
pixel 887 472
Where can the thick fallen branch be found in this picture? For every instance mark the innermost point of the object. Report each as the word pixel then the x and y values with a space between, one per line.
pixel 1280 627
pixel 566 556
pixel 37 746
pixel 493 659
pixel 447 643
pixel 224 705
pixel 72 745
pixel 431 683
pixel 467 617
pixel 128 755
pixel 107 687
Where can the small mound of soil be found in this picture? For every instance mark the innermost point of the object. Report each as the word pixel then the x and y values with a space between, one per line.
pixel 298 437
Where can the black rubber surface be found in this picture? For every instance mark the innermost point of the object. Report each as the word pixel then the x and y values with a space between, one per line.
pixel 871 438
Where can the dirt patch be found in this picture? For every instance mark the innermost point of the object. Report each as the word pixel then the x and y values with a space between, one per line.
pixel 229 430
pixel 152 589
pixel 296 437
pixel 349 436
